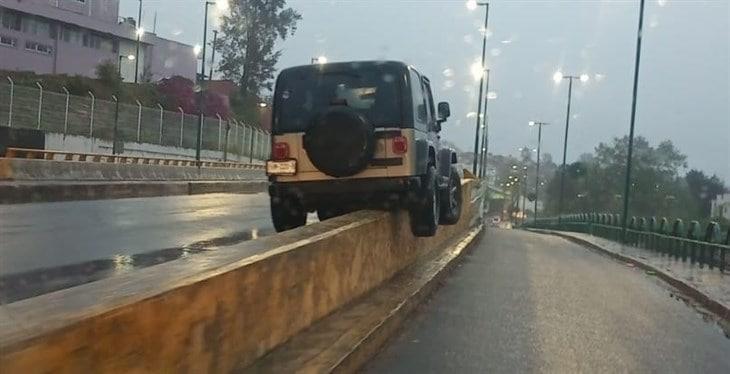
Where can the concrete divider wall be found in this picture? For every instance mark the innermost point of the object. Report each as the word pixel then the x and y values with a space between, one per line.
pixel 218 311
pixel 12 169
pixel 84 144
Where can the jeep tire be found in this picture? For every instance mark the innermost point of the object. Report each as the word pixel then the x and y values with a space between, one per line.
pixel 287 213
pixel 327 212
pixel 451 199
pixel 424 213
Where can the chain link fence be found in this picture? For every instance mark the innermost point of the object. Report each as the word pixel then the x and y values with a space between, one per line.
pixel 36 108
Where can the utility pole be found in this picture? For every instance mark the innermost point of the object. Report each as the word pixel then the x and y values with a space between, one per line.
pixel 201 97
pixel 212 58
pixel 481 85
pixel 537 171
pixel 484 149
pixel 139 40
pixel 558 77
pixel 627 185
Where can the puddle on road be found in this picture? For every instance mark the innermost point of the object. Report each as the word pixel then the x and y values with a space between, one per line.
pixel 706 315
pixel 16 287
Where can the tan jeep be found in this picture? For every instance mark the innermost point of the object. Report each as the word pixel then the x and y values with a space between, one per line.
pixel 358 135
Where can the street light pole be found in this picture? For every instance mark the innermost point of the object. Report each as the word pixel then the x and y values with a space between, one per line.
pixel 139 37
pixel 481 83
pixel 201 96
pixel 565 152
pixel 483 158
pixel 524 193
pixel 627 185
pixel 212 57
pixel 537 169
pixel 115 132
pixel 557 77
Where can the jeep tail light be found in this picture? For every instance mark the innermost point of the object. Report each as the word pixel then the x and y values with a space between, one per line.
pixel 400 145
pixel 280 151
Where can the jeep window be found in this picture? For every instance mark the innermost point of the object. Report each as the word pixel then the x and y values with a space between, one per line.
pixel 431 109
pixel 304 94
pixel 420 114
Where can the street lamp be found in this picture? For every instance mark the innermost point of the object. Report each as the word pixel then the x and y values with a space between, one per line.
pixel 319 60
pixel 537 169
pixel 558 77
pixel 119 94
pixel 222 5
pixel 472 5
pixel 637 60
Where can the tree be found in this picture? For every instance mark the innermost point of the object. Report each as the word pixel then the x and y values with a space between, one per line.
pixel 247 40
pixel 108 73
pixel 216 103
pixel 596 182
pixel 703 190
pixel 178 92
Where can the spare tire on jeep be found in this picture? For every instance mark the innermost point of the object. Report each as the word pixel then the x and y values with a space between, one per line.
pixel 340 142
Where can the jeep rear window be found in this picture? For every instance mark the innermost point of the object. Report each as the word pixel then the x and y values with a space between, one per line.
pixel 302 95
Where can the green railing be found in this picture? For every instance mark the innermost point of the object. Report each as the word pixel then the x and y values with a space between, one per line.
pixel 708 247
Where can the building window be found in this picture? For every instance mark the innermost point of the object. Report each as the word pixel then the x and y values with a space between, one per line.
pixel 38 47
pixel 11 20
pixel 8 41
pixel 106 45
pixel 37 26
pixel 74 36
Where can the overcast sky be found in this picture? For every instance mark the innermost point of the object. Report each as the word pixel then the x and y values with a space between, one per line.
pixel 684 91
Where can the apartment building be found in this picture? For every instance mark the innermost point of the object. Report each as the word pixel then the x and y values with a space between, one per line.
pixel 74 36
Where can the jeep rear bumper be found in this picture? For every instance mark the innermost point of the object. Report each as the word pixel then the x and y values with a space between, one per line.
pixel 366 190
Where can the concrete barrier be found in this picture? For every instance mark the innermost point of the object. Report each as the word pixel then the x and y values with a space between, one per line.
pixel 12 169
pixel 21 193
pixel 219 311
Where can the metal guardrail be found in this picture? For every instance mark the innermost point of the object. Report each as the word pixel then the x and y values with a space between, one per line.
pixel 91 116
pixel 653 235
pixel 42 154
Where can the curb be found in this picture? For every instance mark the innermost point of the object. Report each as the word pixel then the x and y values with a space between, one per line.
pixel 703 299
pixel 347 339
pixel 371 344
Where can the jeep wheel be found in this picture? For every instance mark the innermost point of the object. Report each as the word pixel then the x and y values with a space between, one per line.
pixel 451 199
pixel 424 213
pixel 287 213
pixel 326 212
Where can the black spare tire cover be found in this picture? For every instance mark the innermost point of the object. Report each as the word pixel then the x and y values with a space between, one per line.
pixel 340 142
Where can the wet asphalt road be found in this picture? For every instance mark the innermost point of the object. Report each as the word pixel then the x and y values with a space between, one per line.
pixel 524 302
pixel 49 246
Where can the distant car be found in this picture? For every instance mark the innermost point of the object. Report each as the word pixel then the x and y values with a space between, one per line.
pixel 360 134
pixel 495 221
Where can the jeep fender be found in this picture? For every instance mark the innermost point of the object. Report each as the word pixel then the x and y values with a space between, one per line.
pixel 445 159
pixel 422 155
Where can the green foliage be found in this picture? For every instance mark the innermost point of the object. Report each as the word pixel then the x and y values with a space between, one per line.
pixel 658 188
pixel 704 189
pixel 108 74
pixel 245 107
pixel 247 39
pixel 80 86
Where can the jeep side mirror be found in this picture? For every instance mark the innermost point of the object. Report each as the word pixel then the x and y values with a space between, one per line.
pixel 444 111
